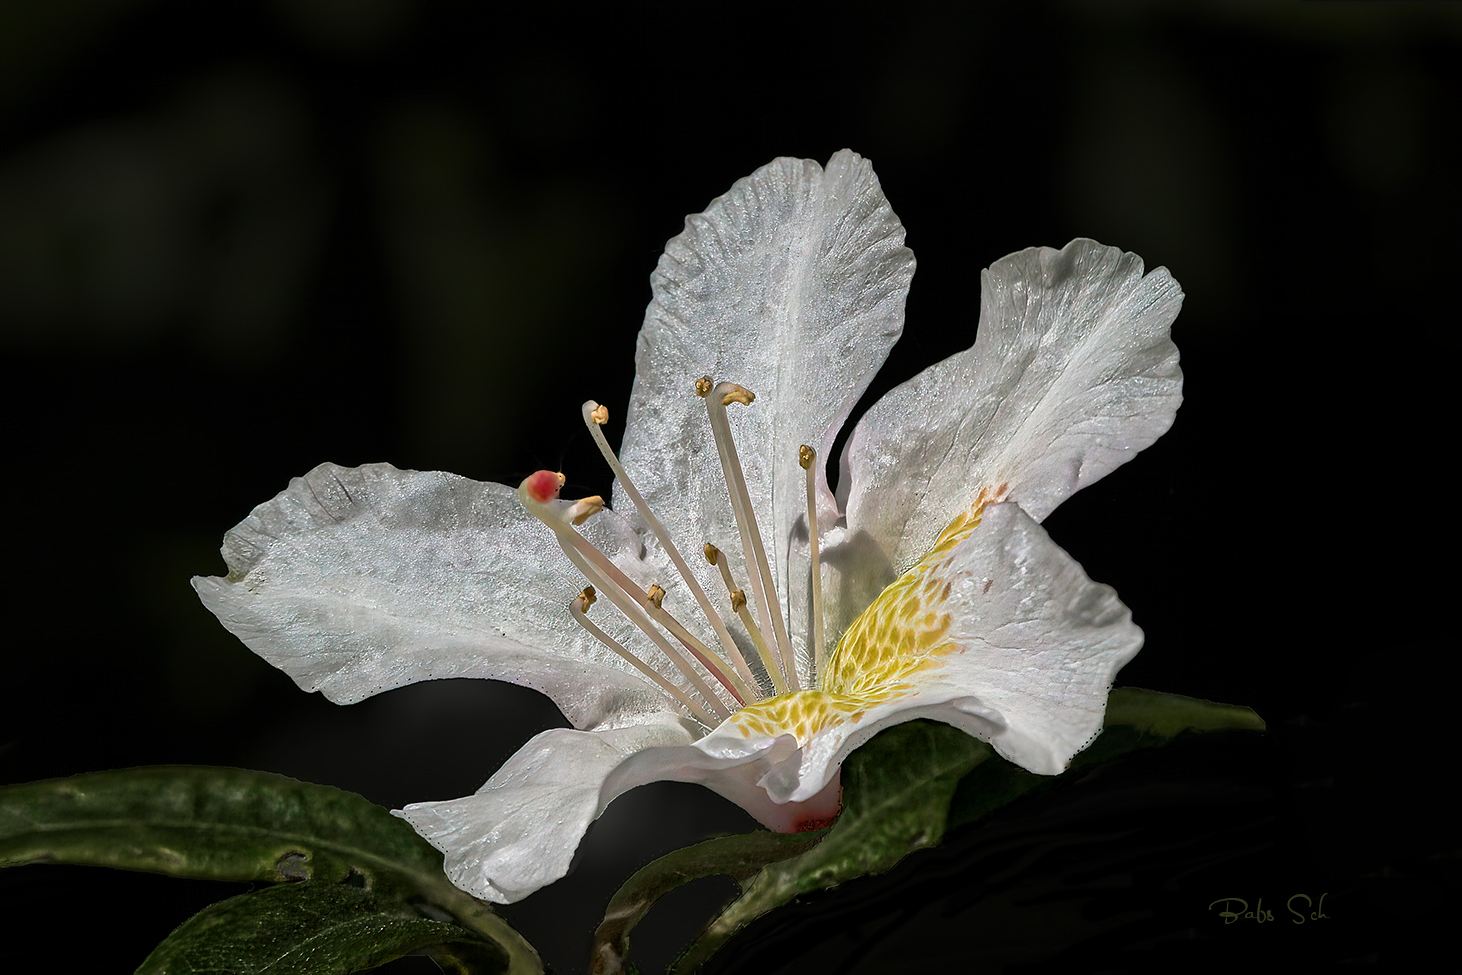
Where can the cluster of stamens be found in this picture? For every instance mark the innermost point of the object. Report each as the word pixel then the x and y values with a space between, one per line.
pixel 724 681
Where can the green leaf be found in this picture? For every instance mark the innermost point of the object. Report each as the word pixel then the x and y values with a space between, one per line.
pixel 232 824
pixel 896 793
pixel 1168 715
pixel 212 823
pixel 310 928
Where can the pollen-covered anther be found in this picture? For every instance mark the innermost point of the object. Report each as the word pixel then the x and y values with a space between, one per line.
pixel 587 598
pixel 711 553
pixel 733 393
pixel 656 595
pixel 543 486
pixel 599 415
pixel 584 509
pixel 805 456
pixel 738 600
pixel 703 386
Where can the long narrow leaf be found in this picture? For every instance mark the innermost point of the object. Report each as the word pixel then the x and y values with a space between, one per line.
pixel 232 824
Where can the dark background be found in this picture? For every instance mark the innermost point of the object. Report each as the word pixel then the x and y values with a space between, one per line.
pixel 241 238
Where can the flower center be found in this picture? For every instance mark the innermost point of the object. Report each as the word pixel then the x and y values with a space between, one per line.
pixel 721 680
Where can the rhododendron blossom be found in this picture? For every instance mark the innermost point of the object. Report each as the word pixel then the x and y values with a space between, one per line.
pixel 728 619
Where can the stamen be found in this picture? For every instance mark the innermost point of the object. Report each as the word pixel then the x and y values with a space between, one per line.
pixel 595 416
pixel 632 612
pixel 579 607
pixel 737 394
pixel 806 457
pixel 757 566
pixel 623 592
pixel 738 605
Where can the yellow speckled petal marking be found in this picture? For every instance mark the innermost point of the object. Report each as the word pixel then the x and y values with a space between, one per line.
pixel 902 633
pixel 801 713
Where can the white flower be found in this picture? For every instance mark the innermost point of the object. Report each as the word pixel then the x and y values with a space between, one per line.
pixel 792 285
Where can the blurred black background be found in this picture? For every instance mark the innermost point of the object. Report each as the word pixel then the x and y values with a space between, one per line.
pixel 241 238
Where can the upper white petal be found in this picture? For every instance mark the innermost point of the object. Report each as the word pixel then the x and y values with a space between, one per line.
pixel 357 580
pixel 1071 374
pixel 793 285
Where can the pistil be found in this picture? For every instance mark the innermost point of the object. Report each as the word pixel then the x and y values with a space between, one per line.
pixel 762 581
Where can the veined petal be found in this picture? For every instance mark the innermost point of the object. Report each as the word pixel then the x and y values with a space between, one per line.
pixel 1071 374
pixel 357 580
pixel 792 285
pixel 997 631
pixel 520 830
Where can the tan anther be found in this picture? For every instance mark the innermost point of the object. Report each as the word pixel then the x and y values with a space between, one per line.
pixel 738 600
pixel 587 599
pixel 656 595
pixel 712 553
pixel 600 414
pixel 805 456
pixel 703 386
pixel 585 508
pixel 738 394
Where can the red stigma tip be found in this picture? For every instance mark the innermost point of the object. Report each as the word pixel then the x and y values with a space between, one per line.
pixel 542 486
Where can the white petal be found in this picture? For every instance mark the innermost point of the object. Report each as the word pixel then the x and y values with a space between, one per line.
pixel 1035 645
pixel 520 831
pixel 793 285
pixel 1037 651
pixel 357 580
pixel 1071 374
